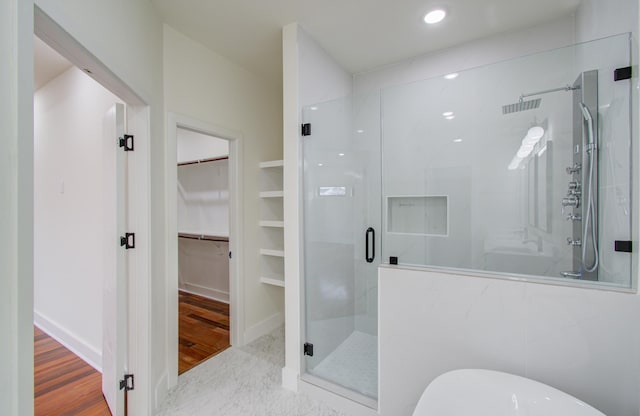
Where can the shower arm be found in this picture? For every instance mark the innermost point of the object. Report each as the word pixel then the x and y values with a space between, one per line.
pixel 565 88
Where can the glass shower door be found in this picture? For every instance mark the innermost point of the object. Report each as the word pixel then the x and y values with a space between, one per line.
pixel 342 216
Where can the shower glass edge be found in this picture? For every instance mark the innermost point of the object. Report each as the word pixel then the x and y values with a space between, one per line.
pixel 342 240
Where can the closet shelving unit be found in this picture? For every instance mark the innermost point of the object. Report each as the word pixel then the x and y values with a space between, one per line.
pixel 271 223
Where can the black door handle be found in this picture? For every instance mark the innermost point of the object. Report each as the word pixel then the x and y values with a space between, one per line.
pixel 370 233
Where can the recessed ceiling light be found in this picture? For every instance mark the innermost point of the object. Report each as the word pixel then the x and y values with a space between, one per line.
pixel 320 164
pixel 435 16
pixel 447 114
pixel 451 76
pixel 450 117
pixel 360 131
pixel 457 140
pixel 340 154
pixel 313 108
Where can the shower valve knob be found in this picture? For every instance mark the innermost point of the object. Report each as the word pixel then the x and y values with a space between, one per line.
pixel 574 217
pixel 574 185
pixel 571 201
pixel 574 169
pixel 572 242
pixel 574 192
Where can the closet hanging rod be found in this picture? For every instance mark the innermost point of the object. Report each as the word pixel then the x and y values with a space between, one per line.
pixel 197 162
pixel 203 237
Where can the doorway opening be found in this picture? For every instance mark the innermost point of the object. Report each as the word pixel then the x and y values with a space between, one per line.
pixel 73 171
pixel 90 290
pixel 203 241
pixel 203 247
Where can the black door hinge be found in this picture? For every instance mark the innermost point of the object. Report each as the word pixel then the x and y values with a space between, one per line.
pixel 306 129
pixel 127 383
pixel 127 142
pixel 128 241
pixel 230 256
pixel 308 349
pixel 623 246
pixel 621 74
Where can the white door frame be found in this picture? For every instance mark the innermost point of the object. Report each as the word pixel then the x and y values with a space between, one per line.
pixel 236 282
pixel 138 184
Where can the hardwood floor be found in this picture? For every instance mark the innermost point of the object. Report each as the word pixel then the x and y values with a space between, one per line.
pixel 203 329
pixel 64 384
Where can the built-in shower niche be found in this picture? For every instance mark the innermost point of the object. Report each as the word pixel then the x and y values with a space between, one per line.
pixel 421 215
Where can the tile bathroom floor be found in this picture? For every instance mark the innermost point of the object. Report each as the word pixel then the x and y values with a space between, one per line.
pixel 241 381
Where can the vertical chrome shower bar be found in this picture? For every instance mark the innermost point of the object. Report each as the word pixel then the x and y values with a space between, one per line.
pixel 586 92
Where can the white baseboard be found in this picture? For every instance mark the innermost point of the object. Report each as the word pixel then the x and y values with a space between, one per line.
pixel 88 353
pixel 263 327
pixel 161 390
pixel 206 292
pixel 290 379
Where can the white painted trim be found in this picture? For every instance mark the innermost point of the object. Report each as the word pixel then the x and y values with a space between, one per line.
pixel 89 354
pixel 16 205
pixel 160 389
pixel 236 210
pixel 139 212
pixel 62 42
pixel 264 327
pixel 139 202
pixel 290 379
pixel 205 292
pixel 291 204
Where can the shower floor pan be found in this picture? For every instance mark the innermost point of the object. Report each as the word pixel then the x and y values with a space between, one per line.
pixel 353 364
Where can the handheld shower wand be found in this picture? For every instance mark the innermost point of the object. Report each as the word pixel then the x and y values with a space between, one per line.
pixel 590 219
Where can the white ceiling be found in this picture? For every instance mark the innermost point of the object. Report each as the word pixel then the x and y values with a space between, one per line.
pixel 47 63
pixel 360 34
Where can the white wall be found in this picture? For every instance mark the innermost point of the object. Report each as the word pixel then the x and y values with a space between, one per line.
pixel 203 268
pixel 322 78
pixel 16 208
pixel 203 198
pixel 196 146
pixel 203 208
pixel 126 37
pixel 582 341
pixel 205 86
pixel 69 208
pixel 473 54
pixel 600 18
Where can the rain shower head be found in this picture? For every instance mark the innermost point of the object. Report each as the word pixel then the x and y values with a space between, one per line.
pixel 522 105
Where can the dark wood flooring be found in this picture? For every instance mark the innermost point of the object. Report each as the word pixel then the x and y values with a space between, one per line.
pixel 64 384
pixel 203 329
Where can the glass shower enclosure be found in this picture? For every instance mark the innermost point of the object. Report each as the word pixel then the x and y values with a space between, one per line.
pixel 519 169
pixel 342 218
